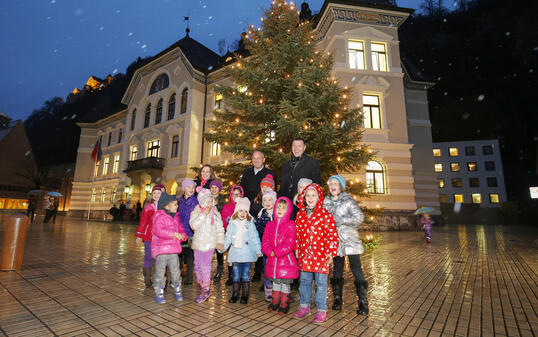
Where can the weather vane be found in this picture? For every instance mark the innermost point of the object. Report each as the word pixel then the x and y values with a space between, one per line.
pixel 186 18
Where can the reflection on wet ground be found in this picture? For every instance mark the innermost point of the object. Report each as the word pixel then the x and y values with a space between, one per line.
pixel 85 278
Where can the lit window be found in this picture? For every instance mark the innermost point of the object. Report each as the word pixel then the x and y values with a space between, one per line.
pixel 218 102
pixel 103 195
pixel 453 151
pixel 120 135
pixel 492 182
pixel 214 149
pixel 437 152
pixel 489 165
pixel 270 137
pixel 146 115
pixel 93 195
pixel 477 198
pixel 105 165
pixel 172 107
pixel 379 57
pixel 474 182
pixel 242 88
pixel 184 96
pixel 455 167
pixel 487 149
pixel 116 166
pixel 458 198
pixel 96 171
pixel 113 195
pixel 175 146
pixel 356 54
pixel 469 151
pixel 371 111
pixel 494 198
pixel 442 198
pixel 375 178
pixel 440 183
pixel 471 167
pixel 133 152
pixel 133 120
pixel 456 182
pixel 153 148
pixel 159 112
pixel 438 167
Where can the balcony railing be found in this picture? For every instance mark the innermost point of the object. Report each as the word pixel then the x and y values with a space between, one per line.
pixel 145 164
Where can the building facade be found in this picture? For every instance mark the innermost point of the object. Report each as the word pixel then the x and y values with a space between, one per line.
pixel 469 172
pixel 158 137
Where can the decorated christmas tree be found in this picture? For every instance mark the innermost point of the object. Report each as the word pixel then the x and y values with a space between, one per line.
pixel 284 89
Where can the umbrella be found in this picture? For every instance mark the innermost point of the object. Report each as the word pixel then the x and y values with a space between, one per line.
pixel 423 210
pixel 35 192
pixel 55 194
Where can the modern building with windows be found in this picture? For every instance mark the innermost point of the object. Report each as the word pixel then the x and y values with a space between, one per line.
pixel 158 137
pixel 469 172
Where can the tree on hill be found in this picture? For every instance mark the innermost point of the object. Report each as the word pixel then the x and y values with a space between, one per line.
pixel 283 90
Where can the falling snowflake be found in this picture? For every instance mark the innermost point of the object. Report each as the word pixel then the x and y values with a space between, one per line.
pixel 507 34
pixel 27 153
pixel 117 11
pixel 47 18
pixel 204 6
pixel 461 98
pixel 65 117
pixel 130 34
pixel 210 17
pixel 465 116
pixel 115 71
pixel 446 93
pixel 444 20
pixel 210 34
pixel 481 98
pixel 144 46
pixel 79 12
pixel 102 28
pixel 74 116
pixel 439 78
pixel 342 124
pixel 210 68
pixel 52 1
pixel 531 70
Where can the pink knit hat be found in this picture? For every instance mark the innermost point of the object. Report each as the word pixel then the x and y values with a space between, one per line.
pixel 242 204
pixel 204 195
pixel 268 181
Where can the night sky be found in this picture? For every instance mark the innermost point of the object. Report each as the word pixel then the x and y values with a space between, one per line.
pixel 50 47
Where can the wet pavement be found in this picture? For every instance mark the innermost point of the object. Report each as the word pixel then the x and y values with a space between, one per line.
pixel 85 278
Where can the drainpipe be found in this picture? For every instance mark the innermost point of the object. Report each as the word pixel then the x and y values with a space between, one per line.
pixel 203 122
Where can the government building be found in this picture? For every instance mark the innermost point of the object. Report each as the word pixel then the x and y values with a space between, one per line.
pixel 158 137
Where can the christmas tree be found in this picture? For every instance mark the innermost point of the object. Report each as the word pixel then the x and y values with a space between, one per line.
pixel 284 89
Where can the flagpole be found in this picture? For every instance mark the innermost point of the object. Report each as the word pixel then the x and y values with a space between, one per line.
pixel 97 150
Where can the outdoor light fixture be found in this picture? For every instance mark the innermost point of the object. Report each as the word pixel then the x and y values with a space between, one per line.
pixel 147 188
pixel 126 189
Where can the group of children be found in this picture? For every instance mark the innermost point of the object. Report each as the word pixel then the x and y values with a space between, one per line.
pixel 193 227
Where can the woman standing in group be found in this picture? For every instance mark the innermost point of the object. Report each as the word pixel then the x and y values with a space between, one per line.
pixel 205 177
pixel 347 216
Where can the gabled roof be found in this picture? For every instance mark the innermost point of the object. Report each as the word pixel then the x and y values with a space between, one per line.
pixel 199 56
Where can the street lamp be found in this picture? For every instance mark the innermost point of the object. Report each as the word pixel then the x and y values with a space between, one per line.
pixel 147 188
pixel 126 189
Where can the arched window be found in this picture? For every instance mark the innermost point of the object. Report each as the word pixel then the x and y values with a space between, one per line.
pixel 159 112
pixel 146 115
pixel 184 96
pixel 160 83
pixel 133 120
pixel 172 107
pixel 375 178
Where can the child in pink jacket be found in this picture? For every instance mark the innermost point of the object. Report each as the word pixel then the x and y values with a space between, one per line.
pixel 167 235
pixel 278 245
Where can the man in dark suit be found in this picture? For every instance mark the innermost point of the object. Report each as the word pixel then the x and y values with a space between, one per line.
pixel 252 177
pixel 299 166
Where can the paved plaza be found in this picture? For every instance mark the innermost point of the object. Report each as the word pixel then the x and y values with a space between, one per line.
pixel 85 279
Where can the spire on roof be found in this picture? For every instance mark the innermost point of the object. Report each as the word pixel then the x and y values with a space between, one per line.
pixel 187 30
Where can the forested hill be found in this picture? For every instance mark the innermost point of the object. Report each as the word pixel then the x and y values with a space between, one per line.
pixel 483 59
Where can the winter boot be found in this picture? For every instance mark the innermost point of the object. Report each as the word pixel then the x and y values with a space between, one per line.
pixel 229 281
pixel 275 302
pixel 159 296
pixel 262 288
pixel 301 312
pixel 245 286
pixel 284 303
pixel 338 285
pixel 268 292
pixel 362 292
pixel 321 316
pixel 147 277
pixel 177 292
pixel 235 293
pixel 205 292
pixel 218 275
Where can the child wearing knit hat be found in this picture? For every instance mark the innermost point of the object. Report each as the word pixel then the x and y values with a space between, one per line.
pixel 245 247
pixel 263 217
pixel 208 235
pixel 267 184
pixel 218 199
pixel 186 204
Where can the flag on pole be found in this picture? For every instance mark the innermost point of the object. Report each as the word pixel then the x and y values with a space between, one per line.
pixel 97 153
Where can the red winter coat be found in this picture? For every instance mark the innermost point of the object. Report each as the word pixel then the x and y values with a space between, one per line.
pixel 146 222
pixel 228 210
pixel 279 237
pixel 317 238
pixel 164 227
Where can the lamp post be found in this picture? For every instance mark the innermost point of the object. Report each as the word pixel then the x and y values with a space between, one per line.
pixel 126 190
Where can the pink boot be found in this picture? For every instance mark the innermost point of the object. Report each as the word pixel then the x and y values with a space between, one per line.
pixel 205 292
pixel 321 316
pixel 301 312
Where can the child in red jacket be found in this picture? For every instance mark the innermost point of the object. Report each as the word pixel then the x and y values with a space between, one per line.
pixel 317 244
pixel 143 233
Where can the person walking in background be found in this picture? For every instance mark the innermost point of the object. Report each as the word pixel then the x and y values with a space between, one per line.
pixel 186 204
pixel 167 235
pixel 317 244
pixel 427 223
pixel 144 231
pixel 347 216
pixel 206 223
pixel 31 207
pixel 245 247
